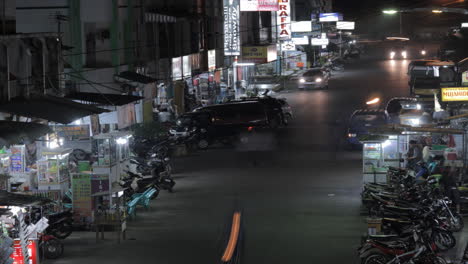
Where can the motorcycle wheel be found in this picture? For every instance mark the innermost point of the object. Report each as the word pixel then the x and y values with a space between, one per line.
pixel 456 223
pixel 444 240
pixel 374 256
pixel 53 249
pixel 438 260
pixel 63 231
pixel 203 144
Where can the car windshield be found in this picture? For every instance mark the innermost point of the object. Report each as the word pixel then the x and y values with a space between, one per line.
pixel 313 73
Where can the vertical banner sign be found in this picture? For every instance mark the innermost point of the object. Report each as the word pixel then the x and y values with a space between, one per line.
pixel 231 28
pixel 284 19
pixel 82 203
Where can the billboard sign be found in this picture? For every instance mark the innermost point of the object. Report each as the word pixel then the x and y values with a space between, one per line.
pixel 231 28
pixel 345 25
pixel 330 17
pixel 284 19
pixel 455 94
pixel 259 54
pixel 301 26
pixel 259 5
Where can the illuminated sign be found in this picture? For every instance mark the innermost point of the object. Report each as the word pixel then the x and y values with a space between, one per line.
pixel 301 26
pixel 455 94
pixel 330 17
pixel 284 19
pixel 186 66
pixel 288 46
pixel 177 68
pixel 211 60
pixel 259 5
pixel 231 28
pixel 345 25
pixel 301 41
pixel 319 41
pixel 259 54
pixel 464 25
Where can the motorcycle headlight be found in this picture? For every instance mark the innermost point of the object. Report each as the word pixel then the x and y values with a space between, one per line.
pixel 318 80
pixel 302 80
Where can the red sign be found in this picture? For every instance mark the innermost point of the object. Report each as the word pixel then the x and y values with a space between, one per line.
pixel 17 254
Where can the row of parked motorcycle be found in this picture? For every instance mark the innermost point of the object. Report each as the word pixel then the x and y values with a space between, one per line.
pixel 417 221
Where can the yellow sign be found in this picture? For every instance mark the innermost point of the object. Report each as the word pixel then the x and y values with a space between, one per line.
pixel 259 54
pixel 455 94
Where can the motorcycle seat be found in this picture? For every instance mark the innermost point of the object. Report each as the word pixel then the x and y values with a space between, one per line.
pixel 396 220
pixel 383 237
pixel 402 209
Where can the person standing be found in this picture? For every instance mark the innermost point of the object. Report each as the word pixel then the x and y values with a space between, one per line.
pixel 414 155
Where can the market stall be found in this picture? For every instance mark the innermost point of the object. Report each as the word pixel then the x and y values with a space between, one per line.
pixel 389 145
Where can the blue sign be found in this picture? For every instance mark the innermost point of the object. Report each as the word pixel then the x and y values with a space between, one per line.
pixel 330 17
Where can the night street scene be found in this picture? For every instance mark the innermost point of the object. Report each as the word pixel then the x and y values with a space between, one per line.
pixel 233 131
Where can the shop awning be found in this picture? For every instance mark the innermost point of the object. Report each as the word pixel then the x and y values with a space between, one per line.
pixel 130 76
pixel 18 132
pixel 52 108
pixel 104 99
pixel 396 129
pixel 16 199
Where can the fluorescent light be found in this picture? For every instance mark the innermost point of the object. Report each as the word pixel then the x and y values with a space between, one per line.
pixel 77 122
pixel 464 25
pixel 390 12
pixel 386 143
pixel 122 140
pixel 437 11
pixel 245 64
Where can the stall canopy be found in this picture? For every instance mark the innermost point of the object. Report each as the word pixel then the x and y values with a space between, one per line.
pixel 52 108
pixel 104 99
pixel 18 132
pixel 16 199
pixel 130 76
pixel 394 129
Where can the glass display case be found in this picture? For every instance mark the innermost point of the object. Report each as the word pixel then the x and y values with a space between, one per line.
pixel 52 169
pixel 106 151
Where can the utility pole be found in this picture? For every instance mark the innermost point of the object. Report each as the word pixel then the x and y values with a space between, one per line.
pixel 401 24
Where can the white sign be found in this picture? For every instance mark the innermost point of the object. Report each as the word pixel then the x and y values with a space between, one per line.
pixel 330 17
pixel 319 41
pixel 301 26
pixel 288 46
pixel 231 28
pixel 177 68
pixel 464 25
pixel 258 5
pixel 345 25
pixel 212 60
pixel 301 41
pixel 186 66
pixel 284 19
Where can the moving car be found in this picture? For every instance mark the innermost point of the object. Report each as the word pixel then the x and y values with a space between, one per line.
pixel 398 53
pixel 263 83
pixel 314 78
pixel 360 123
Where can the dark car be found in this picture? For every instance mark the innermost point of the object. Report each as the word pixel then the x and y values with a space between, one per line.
pixel 360 123
pixel 315 78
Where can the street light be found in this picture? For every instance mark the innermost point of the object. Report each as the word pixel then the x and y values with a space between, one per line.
pixel 437 11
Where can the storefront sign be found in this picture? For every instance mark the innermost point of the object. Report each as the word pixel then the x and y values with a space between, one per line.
pixel 99 184
pixel 330 17
pixel 284 19
pixel 212 60
pixel 177 68
pixel 73 131
pixel 319 41
pixel 231 28
pixel 186 66
pixel 301 26
pixel 259 5
pixel 17 159
pixel 345 25
pixel 301 41
pixel 18 256
pixel 288 46
pixel 259 54
pixel 82 203
pixel 455 94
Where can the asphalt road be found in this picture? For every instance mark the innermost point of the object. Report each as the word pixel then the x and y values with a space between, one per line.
pixel 298 190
